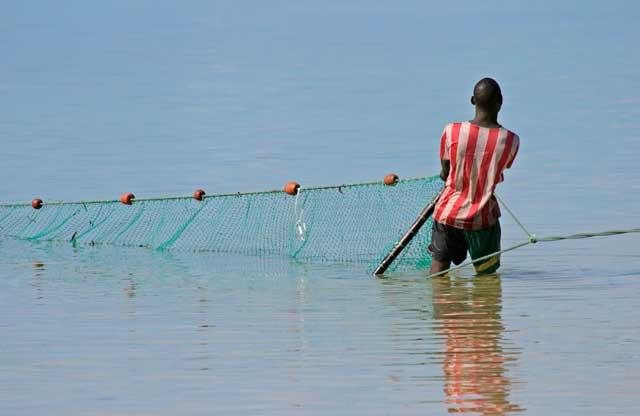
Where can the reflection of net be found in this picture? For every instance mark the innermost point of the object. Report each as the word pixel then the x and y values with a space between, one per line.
pixel 348 223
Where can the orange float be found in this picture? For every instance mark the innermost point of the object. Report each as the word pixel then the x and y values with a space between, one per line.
pixel 292 188
pixel 391 179
pixel 127 198
pixel 36 203
pixel 199 194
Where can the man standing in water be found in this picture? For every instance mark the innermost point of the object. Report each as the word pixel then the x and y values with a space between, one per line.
pixel 473 155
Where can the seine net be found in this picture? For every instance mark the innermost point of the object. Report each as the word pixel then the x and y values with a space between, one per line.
pixel 349 223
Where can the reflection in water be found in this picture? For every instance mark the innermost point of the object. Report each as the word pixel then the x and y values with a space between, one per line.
pixel 467 314
pixel 298 346
pixel 130 288
pixel 130 292
pixel 38 271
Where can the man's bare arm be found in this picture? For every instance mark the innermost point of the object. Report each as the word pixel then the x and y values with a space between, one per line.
pixel 446 167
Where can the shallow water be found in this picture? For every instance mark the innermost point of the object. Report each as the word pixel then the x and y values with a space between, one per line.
pixel 159 98
pixel 112 331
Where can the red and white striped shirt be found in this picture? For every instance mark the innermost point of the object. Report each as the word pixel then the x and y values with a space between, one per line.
pixel 478 157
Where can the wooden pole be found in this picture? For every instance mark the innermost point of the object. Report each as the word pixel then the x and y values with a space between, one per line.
pixel 408 236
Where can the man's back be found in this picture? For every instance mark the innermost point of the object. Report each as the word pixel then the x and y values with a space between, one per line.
pixel 478 157
pixel 473 155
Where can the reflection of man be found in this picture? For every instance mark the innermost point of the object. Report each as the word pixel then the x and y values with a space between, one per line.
pixel 474 362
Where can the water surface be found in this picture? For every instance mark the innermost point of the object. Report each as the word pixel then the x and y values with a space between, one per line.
pixel 159 98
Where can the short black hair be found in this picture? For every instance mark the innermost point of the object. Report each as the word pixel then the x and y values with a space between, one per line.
pixel 487 93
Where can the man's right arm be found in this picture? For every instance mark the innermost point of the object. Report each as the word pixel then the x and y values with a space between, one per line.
pixel 444 155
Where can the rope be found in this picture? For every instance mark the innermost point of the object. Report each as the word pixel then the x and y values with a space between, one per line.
pixel 479 259
pixel 532 237
pixel 532 240
pixel 339 188
pixel 589 235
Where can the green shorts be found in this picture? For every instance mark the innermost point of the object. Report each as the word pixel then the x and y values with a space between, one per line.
pixel 450 244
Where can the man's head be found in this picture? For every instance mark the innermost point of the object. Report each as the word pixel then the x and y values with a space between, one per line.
pixel 487 95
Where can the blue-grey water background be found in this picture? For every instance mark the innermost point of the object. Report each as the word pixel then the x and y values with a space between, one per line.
pixel 158 98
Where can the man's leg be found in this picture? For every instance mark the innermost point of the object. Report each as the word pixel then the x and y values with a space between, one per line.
pixel 482 243
pixel 447 245
pixel 439 266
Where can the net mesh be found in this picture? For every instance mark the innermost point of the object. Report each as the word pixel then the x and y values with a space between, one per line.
pixel 348 223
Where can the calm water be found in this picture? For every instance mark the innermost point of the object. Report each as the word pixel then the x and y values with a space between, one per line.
pixel 159 98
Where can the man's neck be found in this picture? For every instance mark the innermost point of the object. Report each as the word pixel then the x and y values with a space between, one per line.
pixel 485 119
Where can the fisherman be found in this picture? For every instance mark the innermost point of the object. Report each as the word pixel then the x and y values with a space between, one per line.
pixel 473 155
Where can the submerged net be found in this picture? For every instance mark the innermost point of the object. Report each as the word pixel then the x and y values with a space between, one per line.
pixel 348 223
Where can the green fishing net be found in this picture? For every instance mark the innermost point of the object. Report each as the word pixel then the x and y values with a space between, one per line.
pixel 349 223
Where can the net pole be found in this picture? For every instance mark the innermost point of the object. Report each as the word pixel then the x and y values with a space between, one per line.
pixel 408 236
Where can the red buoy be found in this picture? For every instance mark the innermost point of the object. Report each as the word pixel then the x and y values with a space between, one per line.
pixel 199 194
pixel 391 179
pixel 292 188
pixel 127 198
pixel 36 203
